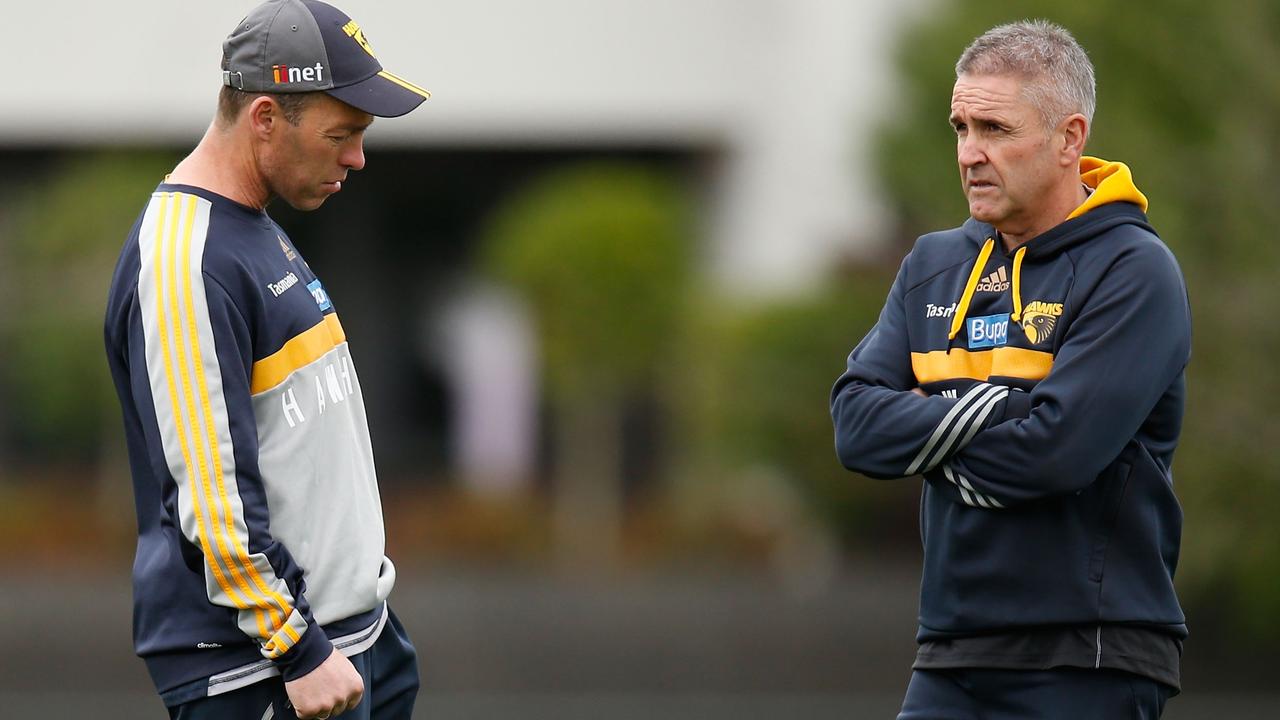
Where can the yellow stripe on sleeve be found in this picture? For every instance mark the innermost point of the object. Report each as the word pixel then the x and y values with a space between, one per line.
pixel 167 237
pixel 286 637
pixel 188 342
pixel 242 563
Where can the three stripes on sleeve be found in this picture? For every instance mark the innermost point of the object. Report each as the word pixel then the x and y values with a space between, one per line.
pixel 193 414
pixel 956 429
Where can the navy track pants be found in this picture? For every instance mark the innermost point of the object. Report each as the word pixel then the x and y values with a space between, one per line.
pixel 1057 694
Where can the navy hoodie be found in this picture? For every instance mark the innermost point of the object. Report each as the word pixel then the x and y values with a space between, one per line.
pixel 1055 389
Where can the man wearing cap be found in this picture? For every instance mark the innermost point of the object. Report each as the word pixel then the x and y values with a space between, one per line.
pixel 260 583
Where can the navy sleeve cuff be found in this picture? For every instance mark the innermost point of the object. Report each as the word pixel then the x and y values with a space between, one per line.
pixel 306 655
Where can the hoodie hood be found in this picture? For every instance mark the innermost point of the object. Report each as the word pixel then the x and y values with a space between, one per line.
pixel 1113 200
pixel 1110 182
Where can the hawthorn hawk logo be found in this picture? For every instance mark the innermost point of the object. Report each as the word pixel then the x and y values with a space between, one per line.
pixel 1039 319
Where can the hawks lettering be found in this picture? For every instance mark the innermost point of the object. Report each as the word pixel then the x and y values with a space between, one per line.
pixel 1039 319
pixel 353 31
pixel 330 385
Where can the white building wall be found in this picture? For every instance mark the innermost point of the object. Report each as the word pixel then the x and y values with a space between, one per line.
pixel 790 90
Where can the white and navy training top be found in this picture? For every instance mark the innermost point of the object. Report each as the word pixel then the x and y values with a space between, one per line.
pixel 260 535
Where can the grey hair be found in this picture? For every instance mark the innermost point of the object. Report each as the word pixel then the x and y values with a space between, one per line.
pixel 1059 77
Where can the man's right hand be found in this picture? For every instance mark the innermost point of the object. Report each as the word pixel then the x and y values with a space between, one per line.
pixel 333 687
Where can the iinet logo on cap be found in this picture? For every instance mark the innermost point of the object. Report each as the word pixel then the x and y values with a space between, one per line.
pixel 284 74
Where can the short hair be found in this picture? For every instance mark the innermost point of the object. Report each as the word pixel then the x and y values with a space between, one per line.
pixel 1057 73
pixel 231 101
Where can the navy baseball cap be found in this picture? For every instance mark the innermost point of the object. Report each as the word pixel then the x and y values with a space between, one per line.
pixel 294 46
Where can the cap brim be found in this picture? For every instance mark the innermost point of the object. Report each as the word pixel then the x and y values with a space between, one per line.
pixel 383 95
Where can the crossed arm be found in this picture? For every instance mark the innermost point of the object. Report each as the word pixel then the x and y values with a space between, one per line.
pixel 1125 348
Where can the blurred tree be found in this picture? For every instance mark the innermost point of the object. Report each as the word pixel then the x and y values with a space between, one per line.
pixel 757 387
pixel 600 253
pixel 1189 98
pixel 60 249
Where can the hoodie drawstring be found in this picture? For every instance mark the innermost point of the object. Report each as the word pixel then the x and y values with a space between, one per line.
pixel 1110 182
pixel 1017 291
pixel 979 265
pixel 962 309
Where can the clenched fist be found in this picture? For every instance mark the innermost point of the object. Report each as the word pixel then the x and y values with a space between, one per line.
pixel 333 687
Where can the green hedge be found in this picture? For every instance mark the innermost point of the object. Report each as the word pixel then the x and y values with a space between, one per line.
pixel 61 246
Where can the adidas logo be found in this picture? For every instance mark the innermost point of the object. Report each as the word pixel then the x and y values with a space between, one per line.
pixel 997 281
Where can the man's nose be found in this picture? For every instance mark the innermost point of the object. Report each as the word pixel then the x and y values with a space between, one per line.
pixel 969 150
pixel 353 156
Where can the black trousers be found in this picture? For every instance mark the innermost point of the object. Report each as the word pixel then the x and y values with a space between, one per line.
pixel 1057 694
pixel 389 669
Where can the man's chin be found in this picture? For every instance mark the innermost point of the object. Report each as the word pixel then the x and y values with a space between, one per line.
pixel 306 204
pixel 983 212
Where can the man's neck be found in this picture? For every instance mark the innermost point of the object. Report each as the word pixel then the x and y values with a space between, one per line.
pixel 1063 204
pixel 223 164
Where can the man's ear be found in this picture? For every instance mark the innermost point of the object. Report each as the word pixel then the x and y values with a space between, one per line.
pixel 1073 131
pixel 265 115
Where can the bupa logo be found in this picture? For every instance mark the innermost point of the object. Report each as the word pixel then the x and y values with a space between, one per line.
pixel 284 74
pixel 988 331
pixel 317 292
pixel 1039 319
